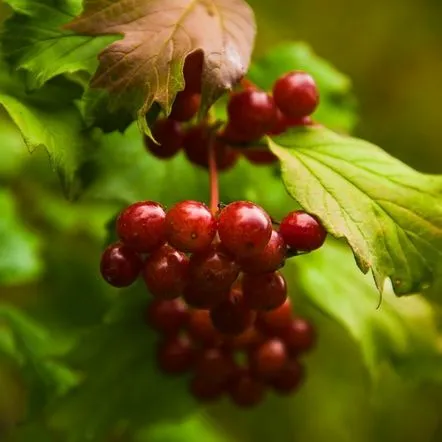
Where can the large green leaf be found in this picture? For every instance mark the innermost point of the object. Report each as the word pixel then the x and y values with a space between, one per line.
pixel 390 214
pixel 20 259
pixel 337 105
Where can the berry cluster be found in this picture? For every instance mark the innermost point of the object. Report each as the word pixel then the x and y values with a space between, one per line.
pixel 265 356
pixel 252 113
pixel 225 266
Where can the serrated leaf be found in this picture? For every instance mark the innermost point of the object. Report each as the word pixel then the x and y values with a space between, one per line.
pixel 390 214
pixel 146 65
pixel 402 332
pixel 33 39
pixel 20 259
pixel 337 104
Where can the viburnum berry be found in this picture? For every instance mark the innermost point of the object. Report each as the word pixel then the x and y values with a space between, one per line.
pixel 247 340
pixel 120 266
pixel 165 272
pixel 300 336
pixel 246 391
pixel 296 94
pixel 274 322
pixel 168 317
pixel 285 122
pixel 176 355
pixel 244 228
pixel 142 226
pixel 201 329
pixel 260 156
pixel 302 231
pixel 270 259
pixel 232 316
pixel 266 291
pixel 268 359
pixel 252 112
pixel 185 106
pixel 289 378
pixel 169 136
pixel 190 226
pixel 215 364
pixel 205 389
pixel 193 71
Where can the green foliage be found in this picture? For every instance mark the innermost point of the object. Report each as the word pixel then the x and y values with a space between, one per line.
pixel 390 214
pixel 20 260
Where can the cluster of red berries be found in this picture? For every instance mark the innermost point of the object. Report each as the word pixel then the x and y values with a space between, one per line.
pixel 243 367
pixel 225 264
pixel 252 113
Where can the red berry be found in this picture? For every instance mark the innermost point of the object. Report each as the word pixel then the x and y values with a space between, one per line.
pixel 193 70
pixel 199 298
pixel 253 112
pixel 246 391
pixel 215 364
pixel 169 136
pixel 167 317
pixel 248 339
pixel 232 316
pixel 244 228
pixel 120 266
pixel 185 106
pixel 300 336
pixel 165 272
pixel 274 322
pixel 206 390
pixel 289 378
pixel 264 292
pixel 302 231
pixel 234 135
pixel 260 156
pixel 190 226
pixel 201 329
pixel 176 355
pixel 268 359
pixel 296 94
pixel 212 270
pixel 142 226
pixel 270 259
pixel 284 122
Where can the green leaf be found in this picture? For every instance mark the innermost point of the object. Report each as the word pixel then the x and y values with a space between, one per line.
pixel 20 259
pixel 33 39
pixel 390 214
pixel 146 65
pixel 337 106
pixel 402 332
pixel 47 118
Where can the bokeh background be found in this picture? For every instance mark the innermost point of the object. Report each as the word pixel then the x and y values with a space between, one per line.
pixel 392 51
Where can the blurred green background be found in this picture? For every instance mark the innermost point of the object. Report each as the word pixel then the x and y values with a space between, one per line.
pixel 392 51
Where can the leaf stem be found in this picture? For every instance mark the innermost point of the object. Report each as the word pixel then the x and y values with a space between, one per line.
pixel 213 176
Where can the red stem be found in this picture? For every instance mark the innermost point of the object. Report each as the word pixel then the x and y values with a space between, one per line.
pixel 213 177
pixel 247 84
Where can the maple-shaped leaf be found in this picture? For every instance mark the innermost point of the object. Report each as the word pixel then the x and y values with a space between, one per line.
pixel 146 65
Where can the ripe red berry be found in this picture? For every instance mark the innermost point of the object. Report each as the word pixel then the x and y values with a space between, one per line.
pixel 190 226
pixel 246 391
pixel 165 272
pixel 264 292
pixel 247 340
pixel 260 157
pixel 244 228
pixel 289 378
pixel 234 135
pixel 206 390
pixel 167 316
pixel 168 134
pixel 215 364
pixel 252 111
pixel 302 231
pixel 176 355
pixel 274 322
pixel 185 106
pixel 296 94
pixel 232 316
pixel 142 226
pixel 284 122
pixel 200 298
pixel 270 259
pixel 120 266
pixel 300 336
pixel 201 329
pixel 268 359
pixel 193 70
pixel 212 270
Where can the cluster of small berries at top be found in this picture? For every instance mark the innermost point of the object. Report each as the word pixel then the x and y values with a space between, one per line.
pixel 252 113
pixel 216 285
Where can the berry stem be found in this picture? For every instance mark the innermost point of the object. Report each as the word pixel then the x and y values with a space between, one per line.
pixel 213 176
pixel 247 84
